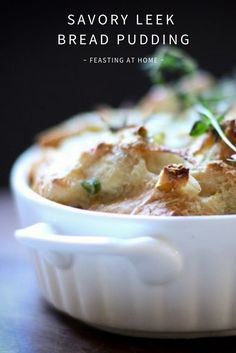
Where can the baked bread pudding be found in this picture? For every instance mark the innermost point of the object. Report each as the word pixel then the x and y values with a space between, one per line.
pixel 173 153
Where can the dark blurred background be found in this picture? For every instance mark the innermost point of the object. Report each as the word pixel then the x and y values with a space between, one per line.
pixel 43 83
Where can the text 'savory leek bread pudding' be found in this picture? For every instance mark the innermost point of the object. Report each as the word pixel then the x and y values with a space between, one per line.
pixel 171 154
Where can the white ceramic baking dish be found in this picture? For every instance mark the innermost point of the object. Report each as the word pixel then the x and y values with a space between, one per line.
pixel 138 275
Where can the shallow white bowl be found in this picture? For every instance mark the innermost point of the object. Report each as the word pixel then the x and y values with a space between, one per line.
pixel 137 275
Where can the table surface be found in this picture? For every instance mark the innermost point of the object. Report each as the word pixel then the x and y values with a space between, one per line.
pixel 29 325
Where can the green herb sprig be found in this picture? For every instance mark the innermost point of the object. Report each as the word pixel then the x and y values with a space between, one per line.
pixel 189 99
pixel 91 185
pixel 209 120
pixel 204 124
pixel 170 65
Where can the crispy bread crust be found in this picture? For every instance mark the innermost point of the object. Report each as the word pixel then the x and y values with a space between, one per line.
pixel 135 174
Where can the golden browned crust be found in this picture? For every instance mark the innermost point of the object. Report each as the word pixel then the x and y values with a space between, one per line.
pixel 126 171
pixel 75 126
pixel 173 177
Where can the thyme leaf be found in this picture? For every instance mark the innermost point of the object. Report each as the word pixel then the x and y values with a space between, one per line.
pixel 214 122
pixel 170 65
pixel 199 128
pixel 91 185
pixel 204 124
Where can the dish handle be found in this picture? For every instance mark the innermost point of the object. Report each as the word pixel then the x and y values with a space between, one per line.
pixel 156 261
